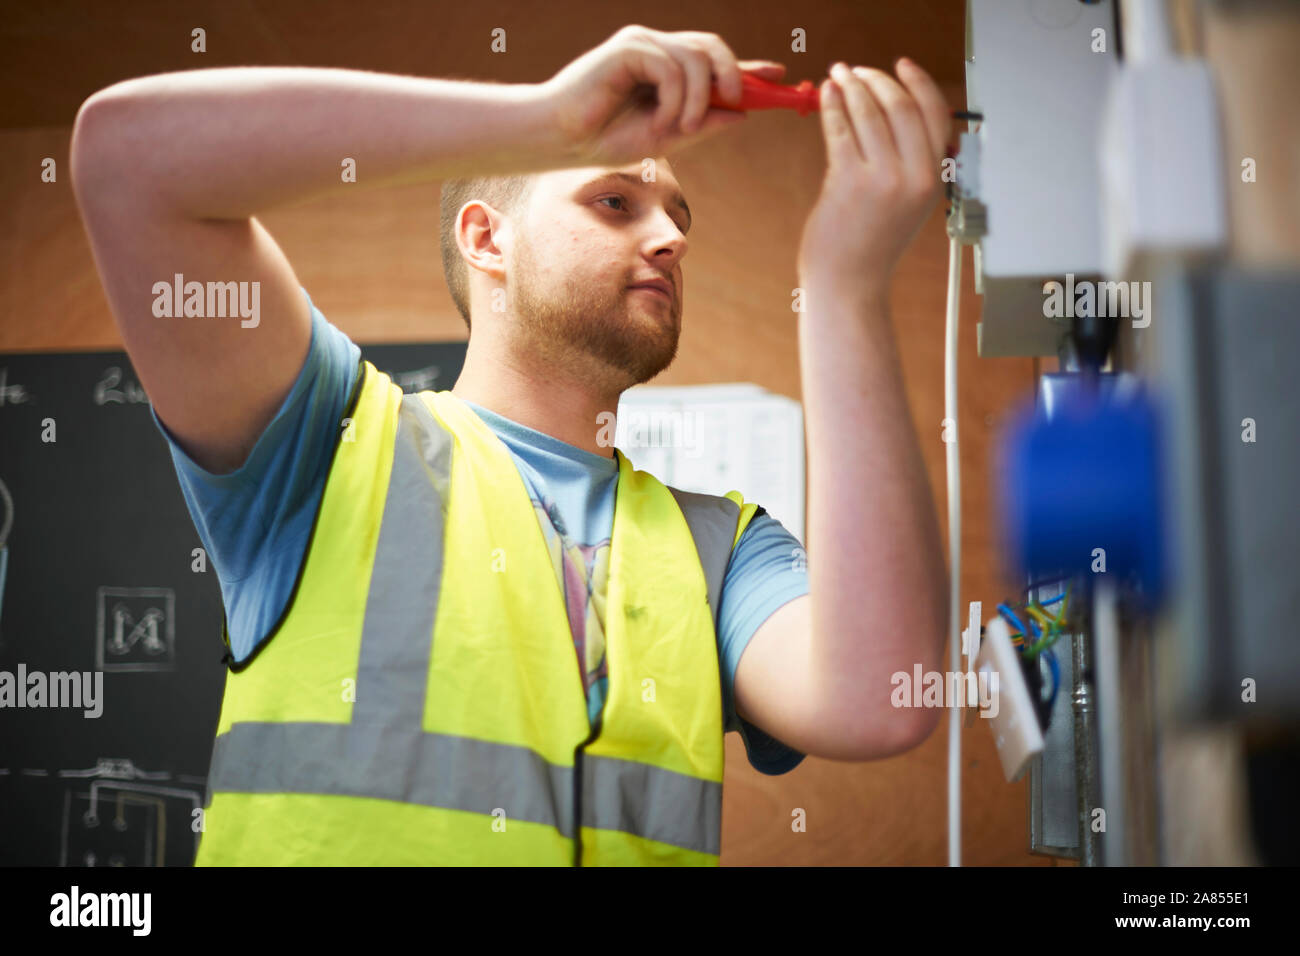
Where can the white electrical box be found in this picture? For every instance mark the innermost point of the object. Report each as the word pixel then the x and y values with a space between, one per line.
pixel 1038 71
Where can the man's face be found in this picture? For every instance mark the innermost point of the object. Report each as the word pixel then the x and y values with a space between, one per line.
pixel 588 236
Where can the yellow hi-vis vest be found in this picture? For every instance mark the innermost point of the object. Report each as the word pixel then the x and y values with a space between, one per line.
pixel 419 702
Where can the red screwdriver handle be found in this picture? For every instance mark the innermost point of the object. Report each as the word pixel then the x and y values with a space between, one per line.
pixel 760 94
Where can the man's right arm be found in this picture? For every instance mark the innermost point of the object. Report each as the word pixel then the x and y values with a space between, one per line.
pixel 169 172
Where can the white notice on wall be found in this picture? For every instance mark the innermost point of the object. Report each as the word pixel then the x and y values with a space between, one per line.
pixel 719 438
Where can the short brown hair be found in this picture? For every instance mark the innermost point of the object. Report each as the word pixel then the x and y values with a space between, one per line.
pixel 504 193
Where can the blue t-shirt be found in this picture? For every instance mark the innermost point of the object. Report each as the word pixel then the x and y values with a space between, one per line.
pixel 255 522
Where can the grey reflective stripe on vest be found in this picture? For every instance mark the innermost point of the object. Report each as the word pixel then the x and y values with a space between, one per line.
pixel 393 667
pixel 712 520
pixel 384 754
pixel 352 760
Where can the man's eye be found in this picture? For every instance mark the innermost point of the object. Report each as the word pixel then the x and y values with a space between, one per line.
pixel 612 199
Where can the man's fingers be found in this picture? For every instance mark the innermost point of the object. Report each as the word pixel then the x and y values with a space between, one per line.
pixel 725 68
pixel 706 61
pixel 938 115
pixel 650 63
pixel 697 71
pixel 875 140
pixel 903 115
pixel 841 143
pixel 684 67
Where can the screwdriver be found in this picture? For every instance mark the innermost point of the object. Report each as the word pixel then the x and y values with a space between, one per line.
pixel 760 94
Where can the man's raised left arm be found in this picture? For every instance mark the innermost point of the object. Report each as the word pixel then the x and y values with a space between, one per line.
pixel 817 674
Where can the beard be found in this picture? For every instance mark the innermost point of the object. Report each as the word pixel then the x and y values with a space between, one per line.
pixel 591 330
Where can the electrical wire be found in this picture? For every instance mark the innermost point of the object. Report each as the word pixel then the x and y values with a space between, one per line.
pixel 1053 628
pixel 954 544
pixel 1010 617
pixel 1040 616
pixel 1047 641
pixel 1056 678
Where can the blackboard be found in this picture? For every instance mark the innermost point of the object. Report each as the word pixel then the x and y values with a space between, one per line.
pixel 104 587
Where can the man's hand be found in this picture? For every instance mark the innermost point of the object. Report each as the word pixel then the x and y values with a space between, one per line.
pixel 643 92
pixel 885 139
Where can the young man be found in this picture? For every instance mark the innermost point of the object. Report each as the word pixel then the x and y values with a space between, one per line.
pixel 403 686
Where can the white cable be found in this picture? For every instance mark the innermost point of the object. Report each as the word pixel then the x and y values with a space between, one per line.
pixel 1148 35
pixel 954 548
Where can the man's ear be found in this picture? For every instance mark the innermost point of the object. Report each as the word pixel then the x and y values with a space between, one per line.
pixel 480 231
